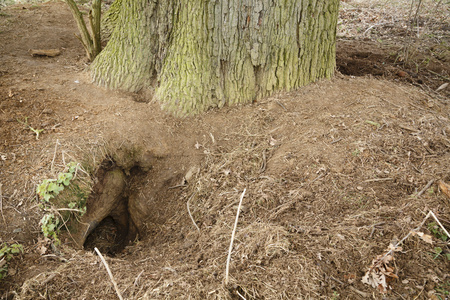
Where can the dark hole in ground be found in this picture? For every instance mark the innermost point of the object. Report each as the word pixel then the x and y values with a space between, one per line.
pixel 108 223
pixel 360 63
pixel 104 237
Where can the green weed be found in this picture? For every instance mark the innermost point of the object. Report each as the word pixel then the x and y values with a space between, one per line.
pixel 49 225
pixel 49 189
pixel 6 254
pixel 36 131
pixel 335 296
pixel 443 290
pixel 437 231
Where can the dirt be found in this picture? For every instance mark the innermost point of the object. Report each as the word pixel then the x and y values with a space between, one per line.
pixel 331 173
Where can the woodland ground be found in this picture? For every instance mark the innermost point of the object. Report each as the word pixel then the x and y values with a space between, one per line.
pixel 332 170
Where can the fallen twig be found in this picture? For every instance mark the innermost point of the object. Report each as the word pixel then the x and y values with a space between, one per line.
pixel 44 52
pixel 317 178
pixel 49 278
pixel 379 24
pixel 425 188
pixel 335 141
pixel 378 179
pixel 109 273
pixel 232 238
pixel 189 211
pixel 177 186
pixel 1 203
pixel 366 295
pixel 280 104
pixel 415 230
pixel 442 76
pixel 390 102
pixel 240 295
pixel 263 164
pixel 136 281
pixel 54 156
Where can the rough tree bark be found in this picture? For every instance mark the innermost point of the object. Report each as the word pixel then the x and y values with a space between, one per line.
pixel 202 54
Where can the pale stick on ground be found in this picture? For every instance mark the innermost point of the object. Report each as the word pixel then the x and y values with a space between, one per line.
pixel 54 156
pixel 109 273
pixel 416 230
pixel 232 238
pixel 1 203
pixel 189 211
pixel 425 188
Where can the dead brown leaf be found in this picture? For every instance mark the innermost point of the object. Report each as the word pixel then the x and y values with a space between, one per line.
pixel 425 237
pixel 445 188
pixel 350 278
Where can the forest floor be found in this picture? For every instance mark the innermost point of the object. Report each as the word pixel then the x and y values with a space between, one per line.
pixel 334 172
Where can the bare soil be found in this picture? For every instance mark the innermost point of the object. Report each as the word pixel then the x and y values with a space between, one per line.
pixel 331 171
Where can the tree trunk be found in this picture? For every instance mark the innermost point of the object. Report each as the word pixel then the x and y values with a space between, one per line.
pixel 109 19
pixel 201 54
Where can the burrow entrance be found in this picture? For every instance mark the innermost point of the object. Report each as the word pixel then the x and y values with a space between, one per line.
pixel 127 196
pixel 110 226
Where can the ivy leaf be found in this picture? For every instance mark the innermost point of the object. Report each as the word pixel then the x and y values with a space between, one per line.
pixel 65 178
pixel 16 248
pixel 72 167
pixel 47 197
pixel 42 189
pixel 55 188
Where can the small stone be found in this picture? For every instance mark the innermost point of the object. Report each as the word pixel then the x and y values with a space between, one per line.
pixel 359 188
pixel 191 173
pixel 47 111
pixel 401 74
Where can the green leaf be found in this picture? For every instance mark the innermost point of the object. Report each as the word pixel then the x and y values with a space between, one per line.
pixel 55 188
pixel 4 250
pixel 16 248
pixel 72 166
pixel 47 197
pixel 65 178
pixel 43 187
pixel 377 125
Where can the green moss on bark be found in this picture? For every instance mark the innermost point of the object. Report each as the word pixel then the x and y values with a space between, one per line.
pixel 110 18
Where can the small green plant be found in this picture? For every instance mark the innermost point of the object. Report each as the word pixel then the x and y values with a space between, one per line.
pixel 49 189
pixel 49 225
pixel 376 124
pixel 438 251
pixel 335 296
pixel 6 254
pixel 437 231
pixel 443 290
pixel 36 131
pixel 356 152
